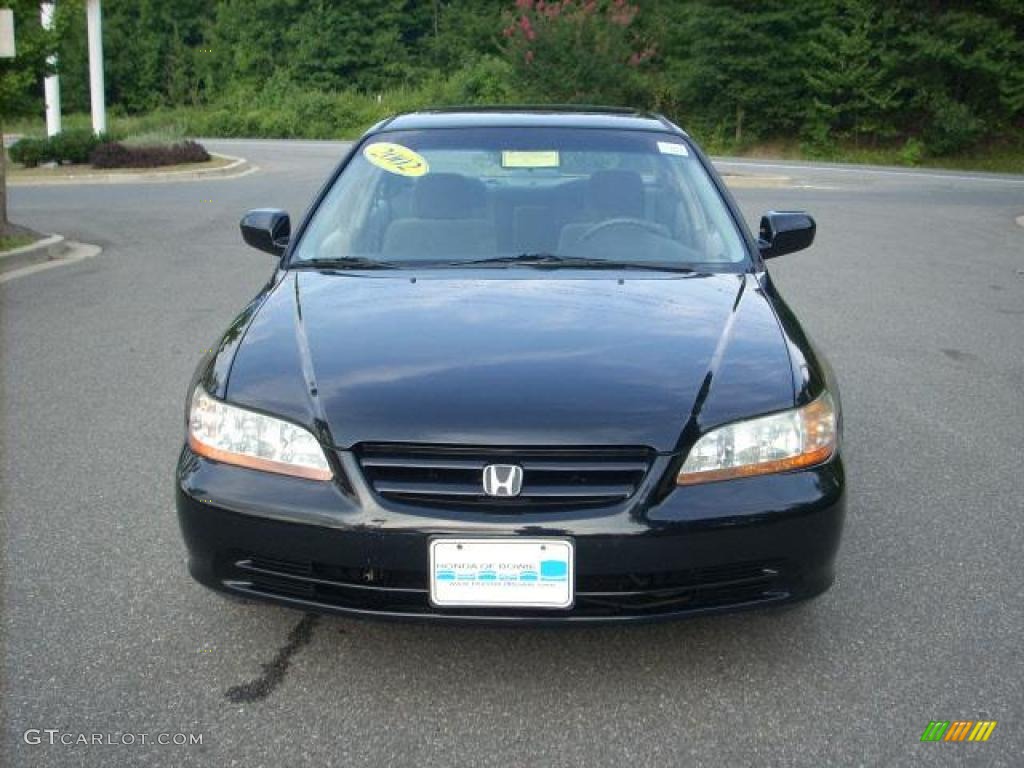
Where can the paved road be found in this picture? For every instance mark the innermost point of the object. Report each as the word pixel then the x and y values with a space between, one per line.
pixel 916 286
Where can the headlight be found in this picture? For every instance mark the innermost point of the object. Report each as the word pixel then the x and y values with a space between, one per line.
pixel 783 441
pixel 235 435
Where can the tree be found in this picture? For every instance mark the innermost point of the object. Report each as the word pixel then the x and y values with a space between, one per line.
pixel 155 53
pixel 964 67
pixel 946 73
pixel 585 52
pixel 152 49
pixel 339 45
pixel 21 81
pixel 246 39
pixel 737 65
pixel 456 32
pixel 851 75
pixel 73 55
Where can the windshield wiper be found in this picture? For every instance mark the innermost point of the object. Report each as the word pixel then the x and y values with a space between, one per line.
pixel 544 259
pixel 522 258
pixel 346 262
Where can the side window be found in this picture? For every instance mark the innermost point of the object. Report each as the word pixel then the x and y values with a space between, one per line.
pixel 338 228
pixel 714 230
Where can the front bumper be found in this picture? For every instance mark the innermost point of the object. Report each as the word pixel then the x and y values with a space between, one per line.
pixel 335 548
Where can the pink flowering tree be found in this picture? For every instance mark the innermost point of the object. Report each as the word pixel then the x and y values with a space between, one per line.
pixel 576 51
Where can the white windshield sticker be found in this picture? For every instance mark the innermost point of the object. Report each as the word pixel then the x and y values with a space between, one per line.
pixel 540 158
pixel 668 148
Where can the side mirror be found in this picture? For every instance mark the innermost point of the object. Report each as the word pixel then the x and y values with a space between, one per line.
pixel 785 232
pixel 266 229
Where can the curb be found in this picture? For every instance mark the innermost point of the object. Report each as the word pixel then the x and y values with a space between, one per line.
pixel 49 248
pixel 53 251
pixel 238 166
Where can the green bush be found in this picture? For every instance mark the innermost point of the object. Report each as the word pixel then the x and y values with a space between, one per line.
pixel 487 80
pixel 817 136
pixel 73 146
pixel 953 127
pixel 30 152
pixel 219 122
pixel 283 109
pixel 912 153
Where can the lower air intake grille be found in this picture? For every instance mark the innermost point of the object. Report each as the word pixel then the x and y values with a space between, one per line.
pixel 597 596
pixel 448 476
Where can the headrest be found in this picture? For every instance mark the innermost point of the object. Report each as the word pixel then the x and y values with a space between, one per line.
pixel 616 194
pixel 449 196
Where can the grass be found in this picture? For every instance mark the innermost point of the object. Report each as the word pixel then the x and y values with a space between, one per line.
pixel 169 134
pixel 997 157
pixel 9 243
pixel 154 128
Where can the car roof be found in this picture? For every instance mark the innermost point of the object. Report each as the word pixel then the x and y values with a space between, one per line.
pixel 548 116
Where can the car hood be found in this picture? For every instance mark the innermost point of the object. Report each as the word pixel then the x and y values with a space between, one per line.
pixel 512 357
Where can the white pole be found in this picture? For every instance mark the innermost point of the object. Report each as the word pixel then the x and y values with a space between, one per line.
pixel 99 103
pixel 51 85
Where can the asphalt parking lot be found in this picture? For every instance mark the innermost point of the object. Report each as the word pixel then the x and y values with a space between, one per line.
pixel 915 288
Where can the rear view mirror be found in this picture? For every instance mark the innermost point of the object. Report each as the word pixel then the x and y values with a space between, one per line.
pixel 785 232
pixel 267 229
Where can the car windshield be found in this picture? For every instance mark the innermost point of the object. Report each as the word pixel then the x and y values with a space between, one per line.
pixel 523 196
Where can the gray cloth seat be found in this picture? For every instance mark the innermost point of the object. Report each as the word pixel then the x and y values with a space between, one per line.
pixel 450 219
pixel 612 194
pixel 439 238
pixel 535 231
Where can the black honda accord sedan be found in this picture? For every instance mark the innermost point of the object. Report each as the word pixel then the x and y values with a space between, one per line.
pixel 516 365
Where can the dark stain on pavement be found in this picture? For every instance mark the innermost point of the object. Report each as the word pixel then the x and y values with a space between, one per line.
pixel 274 670
pixel 959 355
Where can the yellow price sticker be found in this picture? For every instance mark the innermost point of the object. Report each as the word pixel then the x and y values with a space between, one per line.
pixel 394 158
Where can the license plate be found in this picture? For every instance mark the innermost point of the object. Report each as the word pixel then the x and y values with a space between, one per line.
pixel 502 573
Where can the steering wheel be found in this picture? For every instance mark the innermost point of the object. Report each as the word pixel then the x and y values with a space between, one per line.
pixel 622 223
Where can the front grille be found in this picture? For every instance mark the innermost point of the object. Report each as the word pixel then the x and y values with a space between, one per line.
pixel 448 476
pixel 653 593
pixel 625 595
